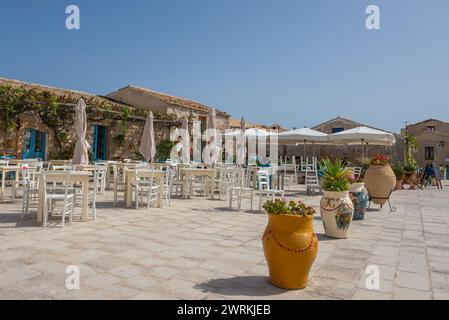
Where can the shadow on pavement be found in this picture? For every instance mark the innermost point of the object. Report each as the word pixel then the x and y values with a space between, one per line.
pixel 240 286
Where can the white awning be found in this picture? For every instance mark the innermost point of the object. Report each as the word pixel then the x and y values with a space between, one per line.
pixel 363 135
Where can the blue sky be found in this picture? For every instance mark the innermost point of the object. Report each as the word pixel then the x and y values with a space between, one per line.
pixel 292 62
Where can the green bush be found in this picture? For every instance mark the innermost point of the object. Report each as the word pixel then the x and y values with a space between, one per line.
pixel 163 149
pixel 399 171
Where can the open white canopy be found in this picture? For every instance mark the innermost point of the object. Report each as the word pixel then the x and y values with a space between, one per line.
pixel 305 135
pixel 253 132
pixel 363 135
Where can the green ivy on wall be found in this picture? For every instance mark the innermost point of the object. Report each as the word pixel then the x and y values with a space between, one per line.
pixel 57 112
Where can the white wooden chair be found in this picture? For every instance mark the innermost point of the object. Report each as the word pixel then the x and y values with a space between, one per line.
pixel 290 175
pixel 30 183
pixel 312 181
pixel 53 195
pixel 170 175
pixel 145 185
pixel 264 187
pixel 119 181
pixel 240 189
pixel 102 171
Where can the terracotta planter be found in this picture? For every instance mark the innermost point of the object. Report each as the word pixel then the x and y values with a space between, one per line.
pixel 290 246
pixel 380 182
pixel 398 184
pixel 336 210
pixel 359 196
pixel 410 175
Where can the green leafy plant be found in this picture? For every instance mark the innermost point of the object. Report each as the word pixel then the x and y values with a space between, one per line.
pixel 119 139
pixel 281 206
pixel 335 175
pixel 164 148
pixel 410 165
pixel 399 171
pixel 411 143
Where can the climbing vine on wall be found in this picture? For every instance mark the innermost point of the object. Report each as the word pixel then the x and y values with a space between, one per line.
pixel 57 112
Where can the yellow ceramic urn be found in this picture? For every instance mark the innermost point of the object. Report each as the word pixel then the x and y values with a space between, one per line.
pixel 290 247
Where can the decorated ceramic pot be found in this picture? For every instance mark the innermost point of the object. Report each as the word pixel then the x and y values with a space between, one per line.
pixel 380 181
pixel 336 210
pixel 290 246
pixel 359 196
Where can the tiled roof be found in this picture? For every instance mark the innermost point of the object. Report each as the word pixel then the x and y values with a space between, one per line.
pixel 235 123
pixel 172 100
pixel 67 94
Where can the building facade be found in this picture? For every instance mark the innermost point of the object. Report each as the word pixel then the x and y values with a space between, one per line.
pixel 38 121
pixel 147 99
pixel 432 141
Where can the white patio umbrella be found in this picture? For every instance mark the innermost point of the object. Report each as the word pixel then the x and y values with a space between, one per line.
pixel 363 135
pixel 252 132
pixel 185 140
pixel 147 142
pixel 303 135
pixel 241 145
pixel 80 154
pixel 212 136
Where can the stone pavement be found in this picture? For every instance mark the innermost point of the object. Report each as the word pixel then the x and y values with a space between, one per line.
pixel 199 249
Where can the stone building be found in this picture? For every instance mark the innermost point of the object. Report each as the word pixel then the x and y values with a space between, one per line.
pixel 38 121
pixel 432 141
pixel 147 99
pixel 351 153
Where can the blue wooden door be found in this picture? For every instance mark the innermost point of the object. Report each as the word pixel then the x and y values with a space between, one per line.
pixel 99 142
pixel 34 144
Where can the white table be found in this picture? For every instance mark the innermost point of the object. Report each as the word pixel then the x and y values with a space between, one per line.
pixel 130 177
pixel 59 176
pixel 187 173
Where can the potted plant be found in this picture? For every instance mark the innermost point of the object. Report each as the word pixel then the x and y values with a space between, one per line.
pixel 336 206
pixel 289 242
pixel 359 196
pixel 380 179
pixel 399 172
pixel 410 168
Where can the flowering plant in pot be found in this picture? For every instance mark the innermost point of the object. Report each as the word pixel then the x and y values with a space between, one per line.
pixel 399 172
pixel 380 179
pixel 336 207
pixel 380 160
pixel 410 167
pixel 289 242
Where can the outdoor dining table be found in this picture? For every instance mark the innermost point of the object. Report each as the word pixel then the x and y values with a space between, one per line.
pixel 21 161
pixel 59 176
pixel 159 175
pixel 187 173
pixel 4 170
pixel 84 167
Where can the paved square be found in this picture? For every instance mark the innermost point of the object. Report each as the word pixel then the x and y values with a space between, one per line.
pixel 199 249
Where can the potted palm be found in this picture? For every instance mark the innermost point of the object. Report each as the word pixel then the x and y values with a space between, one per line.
pixel 399 172
pixel 336 206
pixel 380 179
pixel 289 242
